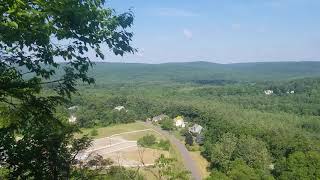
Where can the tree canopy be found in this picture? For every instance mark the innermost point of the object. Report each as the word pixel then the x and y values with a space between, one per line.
pixel 39 39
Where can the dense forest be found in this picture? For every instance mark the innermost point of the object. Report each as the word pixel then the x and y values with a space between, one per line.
pixel 248 134
pixel 202 72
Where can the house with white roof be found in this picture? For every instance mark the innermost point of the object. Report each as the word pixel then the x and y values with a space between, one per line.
pixel 159 118
pixel 119 108
pixel 195 129
pixel 73 108
pixel 179 122
pixel 72 119
pixel 290 92
pixel 268 92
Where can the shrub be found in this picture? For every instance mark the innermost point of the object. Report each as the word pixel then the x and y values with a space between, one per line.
pixel 147 140
pixel 4 173
pixel 193 148
pixel 200 139
pixel 189 139
pixel 94 132
pixel 167 124
pixel 183 131
pixel 164 144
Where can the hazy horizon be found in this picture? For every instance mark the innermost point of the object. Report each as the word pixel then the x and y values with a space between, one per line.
pixel 203 61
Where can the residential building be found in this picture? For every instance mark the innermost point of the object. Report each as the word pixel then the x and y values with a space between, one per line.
pixel 195 129
pixel 119 108
pixel 159 118
pixel 179 122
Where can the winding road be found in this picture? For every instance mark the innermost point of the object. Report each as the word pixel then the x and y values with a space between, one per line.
pixel 187 160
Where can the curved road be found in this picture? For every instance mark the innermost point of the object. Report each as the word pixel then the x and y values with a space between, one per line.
pixel 187 160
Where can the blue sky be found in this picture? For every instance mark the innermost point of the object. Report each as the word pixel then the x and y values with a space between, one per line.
pixel 223 31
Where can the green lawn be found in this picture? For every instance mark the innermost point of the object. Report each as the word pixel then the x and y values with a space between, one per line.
pixel 137 135
pixel 123 128
pixel 178 135
pixel 114 129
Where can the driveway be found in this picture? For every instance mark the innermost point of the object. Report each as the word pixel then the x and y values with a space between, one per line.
pixel 187 160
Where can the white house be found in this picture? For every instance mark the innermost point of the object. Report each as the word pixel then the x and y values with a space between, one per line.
pixel 72 119
pixel 196 129
pixel 268 92
pixel 290 92
pixel 119 108
pixel 73 108
pixel 271 166
pixel 159 118
pixel 179 122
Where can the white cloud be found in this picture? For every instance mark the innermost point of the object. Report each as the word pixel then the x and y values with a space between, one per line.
pixel 187 33
pixel 173 12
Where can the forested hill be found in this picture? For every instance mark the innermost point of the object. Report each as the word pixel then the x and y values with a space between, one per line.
pixel 203 72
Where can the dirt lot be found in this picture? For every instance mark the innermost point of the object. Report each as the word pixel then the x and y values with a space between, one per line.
pixel 122 148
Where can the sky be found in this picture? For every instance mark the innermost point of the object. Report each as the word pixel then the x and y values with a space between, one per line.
pixel 222 31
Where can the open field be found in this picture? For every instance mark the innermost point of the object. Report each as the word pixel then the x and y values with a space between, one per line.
pixel 146 155
pixel 119 143
pixel 115 129
pixel 139 134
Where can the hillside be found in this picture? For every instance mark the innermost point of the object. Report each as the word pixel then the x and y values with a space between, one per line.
pixel 203 72
pixel 245 130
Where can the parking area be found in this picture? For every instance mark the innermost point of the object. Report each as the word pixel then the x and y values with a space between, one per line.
pixel 122 150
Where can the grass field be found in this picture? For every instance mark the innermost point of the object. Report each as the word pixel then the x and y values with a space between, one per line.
pixel 124 131
pixel 114 129
pixel 147 155
pixel 178 135
pixel 137 135
pixel 149 174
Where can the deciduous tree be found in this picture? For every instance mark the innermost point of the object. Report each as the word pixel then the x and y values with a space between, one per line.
pixel 36 36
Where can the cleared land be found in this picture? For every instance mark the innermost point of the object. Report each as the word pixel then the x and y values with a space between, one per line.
pixel 115 129
pixel 119 143
pixel 140 134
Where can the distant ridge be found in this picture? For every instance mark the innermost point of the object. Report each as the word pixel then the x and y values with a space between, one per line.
pixel 209 62
pixel 106 72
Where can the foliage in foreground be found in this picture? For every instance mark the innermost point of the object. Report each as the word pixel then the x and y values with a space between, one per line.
pixel 35 142
pixel 99 168
pixel 165 169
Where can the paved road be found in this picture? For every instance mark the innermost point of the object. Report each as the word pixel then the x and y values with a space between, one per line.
pixel 187 160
